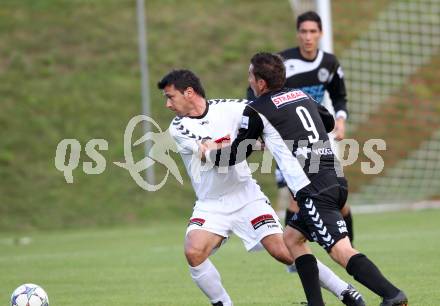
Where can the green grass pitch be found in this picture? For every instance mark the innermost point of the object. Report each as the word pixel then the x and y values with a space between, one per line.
pixel 146 266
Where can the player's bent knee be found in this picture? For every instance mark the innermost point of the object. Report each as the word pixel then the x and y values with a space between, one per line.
pixel 276 247
pixel 293 237
pixel 342 251
pixel 196 252
pixel 283 256
pixel 199 245
pixel 195 255
pixel 295 242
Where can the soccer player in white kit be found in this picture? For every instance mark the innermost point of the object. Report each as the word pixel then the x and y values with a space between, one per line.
pixel 229 200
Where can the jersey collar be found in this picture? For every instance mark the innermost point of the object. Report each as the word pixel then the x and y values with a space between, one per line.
pixel 308 60
pixel 204 113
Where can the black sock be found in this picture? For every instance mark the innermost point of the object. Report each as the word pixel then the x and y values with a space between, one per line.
pixel 365 271
pixel 309 274
pixel 349 222
pixel 289 215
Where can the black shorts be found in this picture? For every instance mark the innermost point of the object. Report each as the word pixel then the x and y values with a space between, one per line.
pixel 319 218
pixel 343 191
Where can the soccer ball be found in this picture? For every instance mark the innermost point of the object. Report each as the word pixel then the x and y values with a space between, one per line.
pixel 29 295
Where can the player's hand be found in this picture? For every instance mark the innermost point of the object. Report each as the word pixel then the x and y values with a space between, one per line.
pixel 259 146
pixel 339 130
pixel 209 145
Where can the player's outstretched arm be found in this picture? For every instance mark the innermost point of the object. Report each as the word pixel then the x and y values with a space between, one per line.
pixel 250 130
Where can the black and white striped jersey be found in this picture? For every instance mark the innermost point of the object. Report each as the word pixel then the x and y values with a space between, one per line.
pixel 217 189
pixel 314 77
pixel 294 128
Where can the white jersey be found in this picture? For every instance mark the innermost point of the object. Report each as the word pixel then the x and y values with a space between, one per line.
pixel 224 189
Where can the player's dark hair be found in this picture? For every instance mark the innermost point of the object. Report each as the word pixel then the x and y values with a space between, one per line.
pixel 182 79
pixel 309 16
pixel 270 68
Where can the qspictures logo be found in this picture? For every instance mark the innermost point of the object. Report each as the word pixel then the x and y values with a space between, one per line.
pixel 68 153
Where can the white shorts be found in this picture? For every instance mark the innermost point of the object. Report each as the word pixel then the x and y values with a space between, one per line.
pixel 251 223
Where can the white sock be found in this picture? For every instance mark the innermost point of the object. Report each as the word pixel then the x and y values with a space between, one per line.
pixel 330 281
pixel 208 279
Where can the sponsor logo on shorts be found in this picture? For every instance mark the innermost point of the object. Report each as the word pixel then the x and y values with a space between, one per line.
pixel 196 221
pixel 262 220
pixel 342 226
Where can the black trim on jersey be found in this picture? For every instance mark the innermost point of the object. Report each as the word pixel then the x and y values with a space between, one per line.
pixel 298 55
pixel 177 121
pixel 202 115
pixel 216 101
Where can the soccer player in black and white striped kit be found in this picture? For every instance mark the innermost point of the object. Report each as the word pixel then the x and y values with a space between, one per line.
pixel 294 128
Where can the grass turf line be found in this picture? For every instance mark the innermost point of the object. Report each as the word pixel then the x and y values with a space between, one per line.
pixel 146 266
